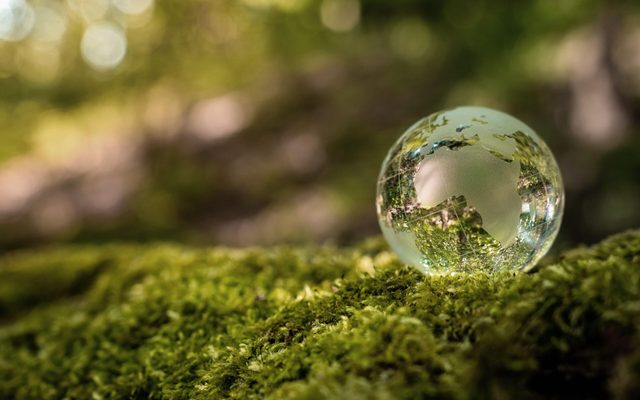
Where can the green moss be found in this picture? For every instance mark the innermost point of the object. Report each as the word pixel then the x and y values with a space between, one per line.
pixel 165 321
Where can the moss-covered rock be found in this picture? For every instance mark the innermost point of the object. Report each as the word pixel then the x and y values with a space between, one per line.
pixel 165 321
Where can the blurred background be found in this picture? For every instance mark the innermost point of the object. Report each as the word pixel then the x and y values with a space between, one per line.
pixel 265 121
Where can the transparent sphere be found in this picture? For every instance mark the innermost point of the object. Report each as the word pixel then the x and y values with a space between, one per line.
pixel 470 189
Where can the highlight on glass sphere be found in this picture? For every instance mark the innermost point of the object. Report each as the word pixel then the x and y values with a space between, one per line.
pixel 470 189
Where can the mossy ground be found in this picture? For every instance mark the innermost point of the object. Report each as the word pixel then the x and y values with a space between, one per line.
pixel 166 321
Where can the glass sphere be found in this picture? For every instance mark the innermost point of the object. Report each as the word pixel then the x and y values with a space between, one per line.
pixel 470 189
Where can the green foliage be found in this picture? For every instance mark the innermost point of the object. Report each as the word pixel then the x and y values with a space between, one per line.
pixel 165 321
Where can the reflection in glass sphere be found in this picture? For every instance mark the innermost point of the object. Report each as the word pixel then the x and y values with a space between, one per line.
pixel 103 46
pixel 470 189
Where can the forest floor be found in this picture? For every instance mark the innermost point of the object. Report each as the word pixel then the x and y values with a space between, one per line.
pixel 169 321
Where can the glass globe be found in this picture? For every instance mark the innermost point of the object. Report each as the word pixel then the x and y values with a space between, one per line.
pixel 470 189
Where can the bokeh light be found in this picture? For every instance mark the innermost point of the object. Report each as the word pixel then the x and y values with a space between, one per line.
pixel 265 121
pixel 103 46
pixel 89 10
pixel 410 38
pixel 340 15
pixel 51 24
pixel 133 6
pixel 16 19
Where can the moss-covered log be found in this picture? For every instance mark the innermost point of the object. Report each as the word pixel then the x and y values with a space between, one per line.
pixel 165 321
